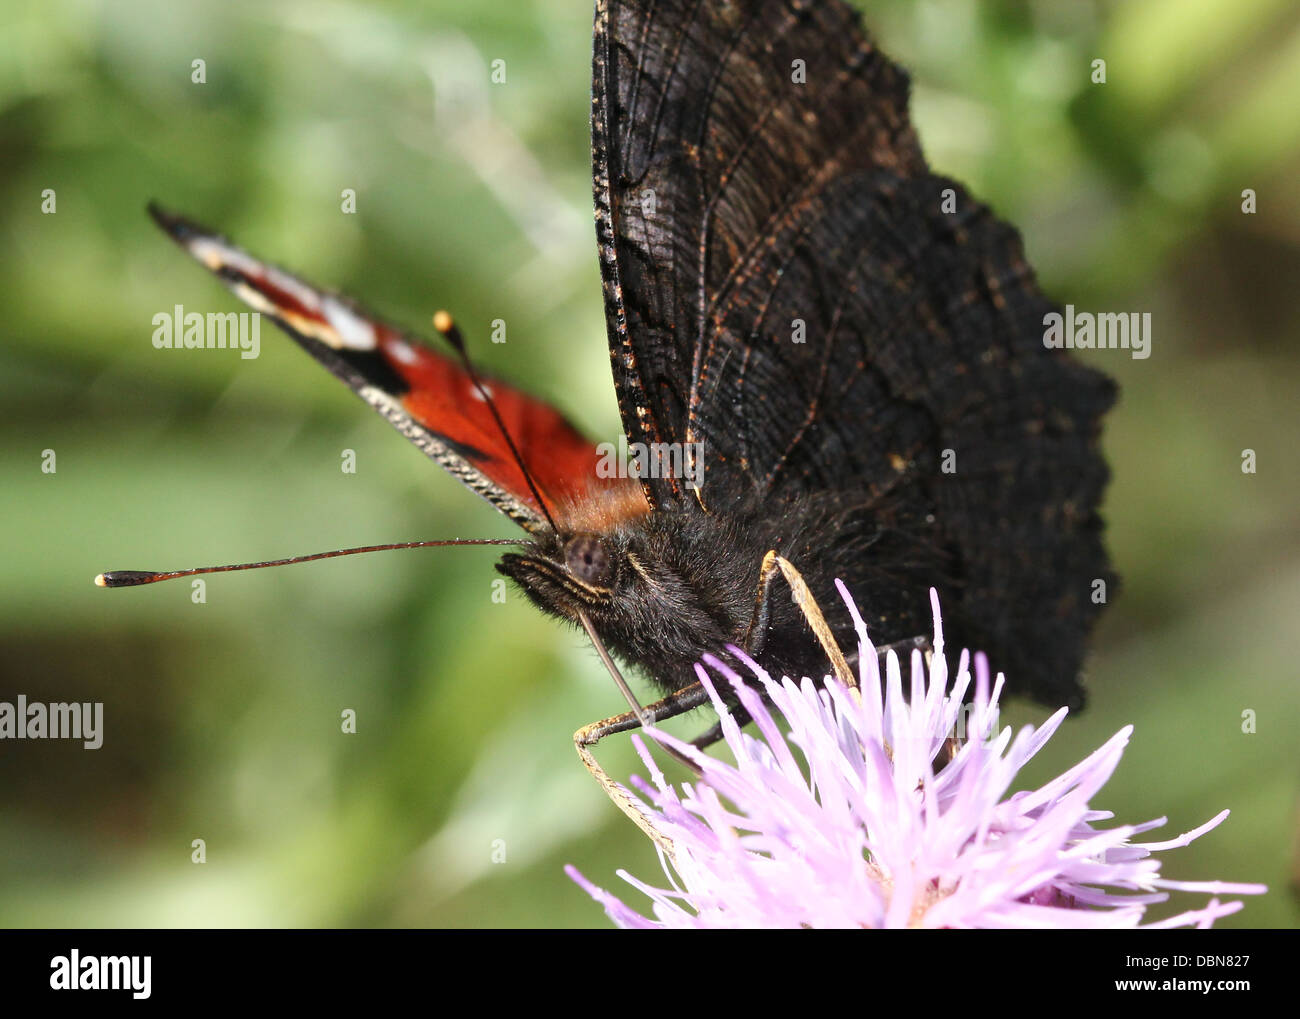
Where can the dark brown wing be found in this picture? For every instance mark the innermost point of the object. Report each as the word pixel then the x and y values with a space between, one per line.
pixel 781 281
pixel 734 203
pixel 788 284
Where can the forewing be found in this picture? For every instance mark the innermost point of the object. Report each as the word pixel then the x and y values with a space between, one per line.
pixel 718 131
pixel 785 281
pixel 427 397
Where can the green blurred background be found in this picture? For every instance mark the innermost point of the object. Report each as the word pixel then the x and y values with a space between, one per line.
pixel 222 719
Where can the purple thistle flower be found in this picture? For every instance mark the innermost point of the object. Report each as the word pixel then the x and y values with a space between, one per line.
pixel 878 828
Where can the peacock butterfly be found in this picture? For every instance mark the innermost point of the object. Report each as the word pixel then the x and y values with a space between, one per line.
pixel 819 347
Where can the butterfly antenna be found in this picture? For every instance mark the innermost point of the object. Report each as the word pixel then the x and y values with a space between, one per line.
pixel 446 325
pixel 134 578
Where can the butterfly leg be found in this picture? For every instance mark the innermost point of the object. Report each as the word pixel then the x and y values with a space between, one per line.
pixel 688 698
pixel 803 597
pixel 694 696
pixel 676 703
pixel 756 635
pixel 618 795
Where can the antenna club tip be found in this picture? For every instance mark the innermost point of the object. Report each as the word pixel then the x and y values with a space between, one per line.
pixel 127 578
pixel 442 321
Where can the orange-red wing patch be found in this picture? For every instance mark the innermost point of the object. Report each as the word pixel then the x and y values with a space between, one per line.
pixel 425 395
pixel 442 397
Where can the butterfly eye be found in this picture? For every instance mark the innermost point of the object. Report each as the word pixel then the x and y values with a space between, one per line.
pixel 588 561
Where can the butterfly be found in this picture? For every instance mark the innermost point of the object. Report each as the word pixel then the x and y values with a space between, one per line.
pixel 831 357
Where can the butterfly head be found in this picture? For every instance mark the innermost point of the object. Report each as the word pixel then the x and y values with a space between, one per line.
pixel 660 589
